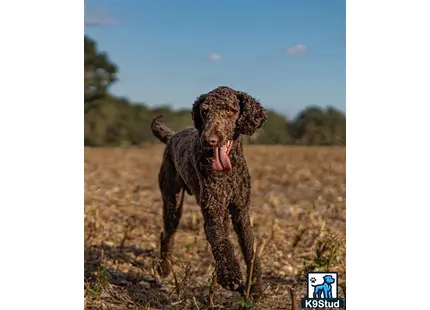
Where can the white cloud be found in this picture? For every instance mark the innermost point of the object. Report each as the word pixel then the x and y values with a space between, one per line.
pixel 214 57
pixel 299 49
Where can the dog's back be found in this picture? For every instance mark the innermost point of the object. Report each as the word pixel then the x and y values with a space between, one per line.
pixel 179 152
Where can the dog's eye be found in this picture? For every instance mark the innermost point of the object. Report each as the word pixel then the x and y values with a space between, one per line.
pixel 204 113
pixel 228 112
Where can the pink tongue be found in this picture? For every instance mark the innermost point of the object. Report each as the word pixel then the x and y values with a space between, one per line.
pixel 221 161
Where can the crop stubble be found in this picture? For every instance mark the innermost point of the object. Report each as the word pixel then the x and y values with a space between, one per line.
pixel 298 215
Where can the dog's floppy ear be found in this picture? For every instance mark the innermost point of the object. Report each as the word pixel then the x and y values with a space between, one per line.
pixel 195 113
pixel 252 114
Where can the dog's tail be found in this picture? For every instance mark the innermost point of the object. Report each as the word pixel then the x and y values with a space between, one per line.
pixel 161 131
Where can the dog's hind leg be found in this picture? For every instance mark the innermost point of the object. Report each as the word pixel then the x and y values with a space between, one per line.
pixel 172 193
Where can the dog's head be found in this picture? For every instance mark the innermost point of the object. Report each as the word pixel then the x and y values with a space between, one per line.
pixel 328 279
pixel 221 116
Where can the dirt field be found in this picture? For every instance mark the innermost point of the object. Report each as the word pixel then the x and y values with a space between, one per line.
pixel 298 215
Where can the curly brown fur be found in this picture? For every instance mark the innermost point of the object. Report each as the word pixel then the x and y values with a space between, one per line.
pixel 194 161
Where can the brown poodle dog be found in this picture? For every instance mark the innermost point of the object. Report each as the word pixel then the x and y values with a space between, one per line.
pixel 208 162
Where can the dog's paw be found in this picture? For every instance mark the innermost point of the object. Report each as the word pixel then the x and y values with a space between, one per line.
pixel 164 268
pixel 229 279
pixel 234 286
pixel 257 290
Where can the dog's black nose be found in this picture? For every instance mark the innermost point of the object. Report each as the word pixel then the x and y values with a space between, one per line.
pixel 211 140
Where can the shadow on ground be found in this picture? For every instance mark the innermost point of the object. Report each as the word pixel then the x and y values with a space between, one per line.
pixel 108 287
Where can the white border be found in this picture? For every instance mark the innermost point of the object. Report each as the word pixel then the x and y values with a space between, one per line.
pixel 41 171
pixel 41 174
pixel 387 154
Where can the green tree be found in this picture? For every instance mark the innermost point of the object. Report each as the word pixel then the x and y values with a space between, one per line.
pixel 98 119
pixel 337 123
pixel 274 131
pixel 316 126
pixel 99 72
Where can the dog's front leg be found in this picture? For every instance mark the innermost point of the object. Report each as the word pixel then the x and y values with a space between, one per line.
pixel 227 267
pixel 243 229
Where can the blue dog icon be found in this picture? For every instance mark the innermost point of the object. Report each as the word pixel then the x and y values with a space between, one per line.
pixel 324 287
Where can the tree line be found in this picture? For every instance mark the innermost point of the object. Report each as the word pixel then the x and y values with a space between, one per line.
pixel 116 121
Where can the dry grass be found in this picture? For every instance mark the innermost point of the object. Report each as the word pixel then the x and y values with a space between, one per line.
pixel 298 215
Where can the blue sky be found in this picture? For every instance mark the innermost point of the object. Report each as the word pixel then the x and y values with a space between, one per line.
pixel 289 54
